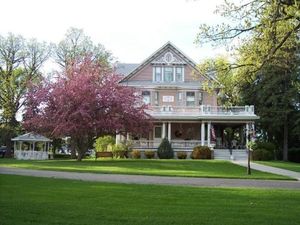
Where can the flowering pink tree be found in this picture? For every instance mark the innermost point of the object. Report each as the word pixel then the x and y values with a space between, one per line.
pixel 84 102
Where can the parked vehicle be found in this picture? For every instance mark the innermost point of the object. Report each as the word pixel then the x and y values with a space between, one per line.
pixel 3 150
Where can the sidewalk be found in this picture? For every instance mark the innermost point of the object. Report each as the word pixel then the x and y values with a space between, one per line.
pixel 161 180
pixel 269 169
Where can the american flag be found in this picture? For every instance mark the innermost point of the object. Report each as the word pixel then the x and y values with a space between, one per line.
pixel 213 133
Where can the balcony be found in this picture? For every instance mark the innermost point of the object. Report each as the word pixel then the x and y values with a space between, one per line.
pixel 203 111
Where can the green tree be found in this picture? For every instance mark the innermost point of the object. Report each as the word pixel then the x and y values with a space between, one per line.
pixel 20 62
pixel 76 46
pixel 266 59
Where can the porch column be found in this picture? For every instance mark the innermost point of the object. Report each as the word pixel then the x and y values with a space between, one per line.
pixel 202 133
pixel 127 136
pixel 164 130
pixel 208 133
pixel 169 131
pixel 247 134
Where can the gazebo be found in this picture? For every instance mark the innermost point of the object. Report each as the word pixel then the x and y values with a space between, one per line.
pixel 33 151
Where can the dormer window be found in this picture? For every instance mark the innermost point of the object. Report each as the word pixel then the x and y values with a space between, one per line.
pixel 168 74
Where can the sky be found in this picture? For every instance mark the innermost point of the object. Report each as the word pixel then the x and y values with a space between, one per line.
pixel 131 29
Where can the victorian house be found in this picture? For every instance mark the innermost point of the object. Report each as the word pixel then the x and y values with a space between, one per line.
pixel 182 110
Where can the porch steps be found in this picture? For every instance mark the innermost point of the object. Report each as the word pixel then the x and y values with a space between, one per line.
pixel 224 154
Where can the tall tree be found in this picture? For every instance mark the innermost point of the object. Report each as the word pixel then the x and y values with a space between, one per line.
pixel 265 37
pixel 20 62
pixel 84 102
pixel 76 45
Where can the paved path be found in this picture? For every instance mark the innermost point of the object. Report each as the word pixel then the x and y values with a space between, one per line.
pixel 162 180
pixel 269 169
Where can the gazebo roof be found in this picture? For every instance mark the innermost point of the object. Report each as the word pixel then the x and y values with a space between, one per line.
pixel 31 137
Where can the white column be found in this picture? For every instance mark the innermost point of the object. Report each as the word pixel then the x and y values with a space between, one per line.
pixel 127 136
pixel 247 134
pixel 202 133
pixel 208 133
pixel 169 131
pixel 164 130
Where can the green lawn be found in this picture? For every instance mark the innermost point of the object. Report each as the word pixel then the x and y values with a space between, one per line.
pixel 283 165
pixel 31 200
pixel 188 168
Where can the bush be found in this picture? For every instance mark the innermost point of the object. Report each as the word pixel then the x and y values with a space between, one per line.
pixel 102 143
pixel 181 155
pixel 119 151
pixel 136 154
pixel 262 155
pixel 268 146
pixel 294 155
pixel 149 154
pixel 165 150
pixel 201 152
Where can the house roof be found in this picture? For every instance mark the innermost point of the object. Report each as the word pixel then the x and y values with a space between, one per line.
pixel 157 53
pixel 124 69
pixel 31 137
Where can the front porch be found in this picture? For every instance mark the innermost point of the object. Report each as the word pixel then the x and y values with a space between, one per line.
pixel 185 135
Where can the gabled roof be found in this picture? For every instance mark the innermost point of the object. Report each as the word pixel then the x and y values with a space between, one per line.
pixel 31 137
pixel 157 53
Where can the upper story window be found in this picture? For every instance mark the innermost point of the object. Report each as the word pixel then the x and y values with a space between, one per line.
pixel 146 97
pixel 179 74
pixel 190 98
pixel 168 74
pixel 157 74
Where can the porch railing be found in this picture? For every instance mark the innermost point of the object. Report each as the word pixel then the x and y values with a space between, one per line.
pixel 202 110
pixel 174 143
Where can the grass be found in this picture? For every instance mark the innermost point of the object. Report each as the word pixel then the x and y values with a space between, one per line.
pixel 187 168
pixel 47 201
pixel 282 164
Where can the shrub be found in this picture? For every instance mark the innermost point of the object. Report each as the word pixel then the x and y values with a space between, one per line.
pixel 119 151
pixel 136 154
pixel 268 146
pixel 201 152
pixel 165 150
pixel 181 155
pixel 102 143
pixel 149 154
pixel 294 155
pixel 262 154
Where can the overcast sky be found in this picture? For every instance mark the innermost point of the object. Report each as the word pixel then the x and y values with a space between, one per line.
pixel 130 29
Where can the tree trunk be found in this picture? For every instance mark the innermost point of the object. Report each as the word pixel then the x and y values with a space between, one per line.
pixel 285 139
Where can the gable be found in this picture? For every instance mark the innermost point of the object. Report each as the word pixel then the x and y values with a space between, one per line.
pixel 168 55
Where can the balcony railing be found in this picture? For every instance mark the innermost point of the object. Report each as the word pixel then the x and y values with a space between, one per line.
pixel 202 110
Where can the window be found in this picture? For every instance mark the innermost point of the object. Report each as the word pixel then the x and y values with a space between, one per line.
pixel 146 97
pixel 157 74
pixel 168 74
pixel 156 98
pixel 157 132
pixel 190 99
pixel 200 98
pixel 179 74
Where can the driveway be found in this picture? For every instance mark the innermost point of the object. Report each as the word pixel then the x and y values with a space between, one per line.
pixel 161 180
